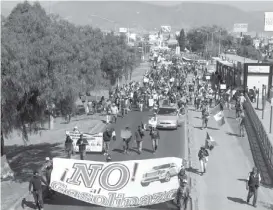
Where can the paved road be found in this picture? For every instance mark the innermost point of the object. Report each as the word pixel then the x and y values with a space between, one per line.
pixel 171 145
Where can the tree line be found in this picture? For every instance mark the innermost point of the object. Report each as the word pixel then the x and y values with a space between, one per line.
pixel 47 61
pixel 206 40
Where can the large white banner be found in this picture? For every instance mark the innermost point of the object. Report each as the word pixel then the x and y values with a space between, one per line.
pixel 123 30
pixel 268 21
pixel 166 29
pixel 95 141
pixel 117 184
pixel 240 27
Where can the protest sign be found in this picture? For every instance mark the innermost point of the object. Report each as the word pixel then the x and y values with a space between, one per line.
pixel 95 141
pixel 117 184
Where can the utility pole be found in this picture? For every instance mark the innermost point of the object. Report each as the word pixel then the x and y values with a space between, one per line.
pixel 220 37
pixel 128 34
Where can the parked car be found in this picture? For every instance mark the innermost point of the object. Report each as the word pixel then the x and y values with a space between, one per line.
pixel 162 173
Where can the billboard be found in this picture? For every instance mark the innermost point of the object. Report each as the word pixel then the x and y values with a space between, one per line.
pixel 122 30
pixel 110 184
pixel 268 21
pixel 240 27
pixel 165 29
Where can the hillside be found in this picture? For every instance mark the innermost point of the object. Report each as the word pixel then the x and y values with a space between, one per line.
pixel 150 16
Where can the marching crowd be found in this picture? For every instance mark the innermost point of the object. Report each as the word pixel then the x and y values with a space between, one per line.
pixel 167 79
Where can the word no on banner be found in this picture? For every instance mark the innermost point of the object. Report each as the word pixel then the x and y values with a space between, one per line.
pixel 118 184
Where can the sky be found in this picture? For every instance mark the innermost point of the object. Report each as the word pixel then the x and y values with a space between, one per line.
pixel 243 5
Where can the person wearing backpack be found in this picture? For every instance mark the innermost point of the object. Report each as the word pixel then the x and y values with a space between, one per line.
pixel 203 155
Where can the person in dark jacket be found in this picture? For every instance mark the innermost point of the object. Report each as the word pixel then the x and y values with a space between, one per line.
pixel 81 143
pixel 139 133
pixel 68 146
pixel 205 116
pixel 154 133
pixel 107 135
pixel 252 185
pixel 35 188
pixel 183 195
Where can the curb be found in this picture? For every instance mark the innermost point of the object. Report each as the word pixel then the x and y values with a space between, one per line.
pixel 18 204
pixel 193 201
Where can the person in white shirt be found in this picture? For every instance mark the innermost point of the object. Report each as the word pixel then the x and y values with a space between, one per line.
pixel 114 112
pixel 242 99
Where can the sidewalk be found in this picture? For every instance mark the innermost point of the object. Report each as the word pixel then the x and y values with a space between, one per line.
pixel 223 186
pixel 266 120
pixel 23 159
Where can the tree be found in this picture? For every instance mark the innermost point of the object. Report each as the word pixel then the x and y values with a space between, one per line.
pixel 196 40
pixel 246 40
pixel 182 40
pixel 47 61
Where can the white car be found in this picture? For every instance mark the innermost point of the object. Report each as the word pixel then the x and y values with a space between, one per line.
pixel 162 173
pixel 169 117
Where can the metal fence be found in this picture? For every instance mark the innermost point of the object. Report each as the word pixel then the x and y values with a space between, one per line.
pixel 263 139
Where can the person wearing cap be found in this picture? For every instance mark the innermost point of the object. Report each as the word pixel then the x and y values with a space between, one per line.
pixel 82 146
pixel 203 158
pixel 35 188
pixel 68 145
pixel 252 185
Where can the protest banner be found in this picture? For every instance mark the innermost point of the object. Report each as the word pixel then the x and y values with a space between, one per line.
pixel 95 141
pixel 117 184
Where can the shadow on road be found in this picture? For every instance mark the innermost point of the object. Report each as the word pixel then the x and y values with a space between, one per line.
pixel 242 180
pixel 193 170
pixel 256 151
pixel 24 159
pixel 232 134
pixel 237 200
